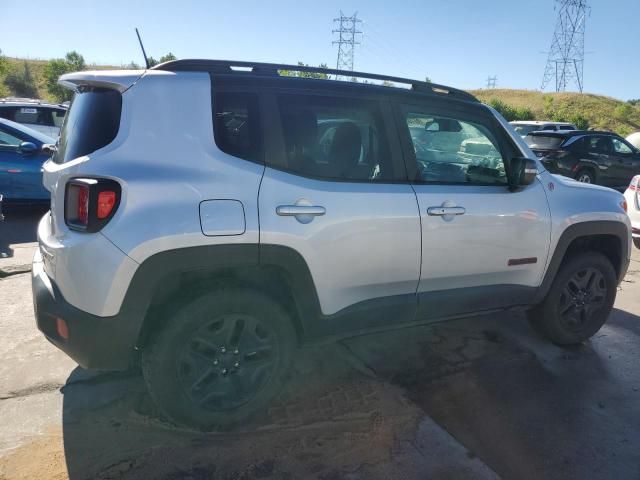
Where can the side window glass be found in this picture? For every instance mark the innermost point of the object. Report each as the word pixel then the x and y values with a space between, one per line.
pixel 8 140
pixel 334 138
pixel 236 125
pixel 455 151
pixel 58 117
pixel 8 112
pixel 621 147
pixel 600 145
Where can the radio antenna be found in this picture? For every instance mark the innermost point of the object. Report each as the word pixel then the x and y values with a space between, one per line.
pixel 144 54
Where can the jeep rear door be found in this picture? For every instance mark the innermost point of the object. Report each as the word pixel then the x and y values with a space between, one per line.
pixel 483 246
pixel 335 191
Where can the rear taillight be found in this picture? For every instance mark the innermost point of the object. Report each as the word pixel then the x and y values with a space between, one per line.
pixel 90 203
pixel 106 202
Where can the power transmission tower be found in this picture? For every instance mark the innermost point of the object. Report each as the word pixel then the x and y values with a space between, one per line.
pixel 566 56
pixel 492 81
pixel 347 31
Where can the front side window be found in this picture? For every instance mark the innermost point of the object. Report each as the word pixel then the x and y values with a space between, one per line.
pixel 9 140
pixel 620 147
pixel 334 138
pixel 236 125
pixel 451 150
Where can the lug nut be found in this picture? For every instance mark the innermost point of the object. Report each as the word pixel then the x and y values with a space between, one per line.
pixel 223 350
pixel 215 362
pixel 237 364
pixel 224 371
pixel 236 351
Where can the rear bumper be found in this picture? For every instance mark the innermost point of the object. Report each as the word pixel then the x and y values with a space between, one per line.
pixel 101 343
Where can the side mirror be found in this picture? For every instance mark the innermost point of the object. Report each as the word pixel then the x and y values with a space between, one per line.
pixel 523 172
pixel 27 148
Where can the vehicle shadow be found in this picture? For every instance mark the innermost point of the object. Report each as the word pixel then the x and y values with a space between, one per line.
pixel 20 226
pixel 524 407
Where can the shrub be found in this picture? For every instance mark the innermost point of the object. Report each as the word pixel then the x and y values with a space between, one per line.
pixel 509 112
pixel 579 121
pixel 20 82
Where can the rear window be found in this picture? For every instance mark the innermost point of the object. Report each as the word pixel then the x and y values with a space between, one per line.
pixel 92 122
pixel 524 130
pixel 544 142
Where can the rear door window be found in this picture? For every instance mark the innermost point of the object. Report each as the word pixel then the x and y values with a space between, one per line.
pixel 598 144
pixel 92 122
pixel 335 138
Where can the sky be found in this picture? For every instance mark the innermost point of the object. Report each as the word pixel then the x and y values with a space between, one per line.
pixel 455 42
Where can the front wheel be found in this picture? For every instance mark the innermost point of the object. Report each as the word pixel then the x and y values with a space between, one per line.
pixel 579 301
pixel 220 360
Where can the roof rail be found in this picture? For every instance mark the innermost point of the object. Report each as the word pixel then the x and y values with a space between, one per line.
pixel 273 69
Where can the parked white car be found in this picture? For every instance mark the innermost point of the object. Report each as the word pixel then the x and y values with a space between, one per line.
pixel 525 127
pixel 46 118
pixel 632 195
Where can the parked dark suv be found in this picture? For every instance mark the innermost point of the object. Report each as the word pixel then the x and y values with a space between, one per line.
pixel 588 156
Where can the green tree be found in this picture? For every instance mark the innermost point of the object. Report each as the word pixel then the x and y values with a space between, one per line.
pixel 4 68
pixel 165 58
pixel 20 82
pixel 72 62
pixel 295 73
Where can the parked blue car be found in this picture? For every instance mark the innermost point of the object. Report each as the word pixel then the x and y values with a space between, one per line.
pixel 21 158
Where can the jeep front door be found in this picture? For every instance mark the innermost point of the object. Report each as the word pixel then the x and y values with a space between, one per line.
pixel 483 246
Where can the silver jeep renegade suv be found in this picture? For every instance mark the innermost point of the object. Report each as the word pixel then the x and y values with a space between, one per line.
pixel 206 220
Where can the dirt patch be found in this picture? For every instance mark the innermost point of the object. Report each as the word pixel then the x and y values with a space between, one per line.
pixel 41 458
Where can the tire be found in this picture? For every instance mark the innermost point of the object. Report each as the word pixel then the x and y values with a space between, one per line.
pixel 636 241
pixel 585 176
pixel 579 301
pixel 220 360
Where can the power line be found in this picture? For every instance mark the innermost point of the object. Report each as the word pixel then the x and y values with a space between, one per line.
pixel 492 81
pixel 566 56
pixel 347 31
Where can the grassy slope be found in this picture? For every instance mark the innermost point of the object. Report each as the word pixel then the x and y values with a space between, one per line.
pixel 601 112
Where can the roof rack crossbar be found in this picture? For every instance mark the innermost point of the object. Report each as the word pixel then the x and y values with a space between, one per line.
pixel 227 66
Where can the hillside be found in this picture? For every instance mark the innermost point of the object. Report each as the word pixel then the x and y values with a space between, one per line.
pixel 36 67
pixel 601 112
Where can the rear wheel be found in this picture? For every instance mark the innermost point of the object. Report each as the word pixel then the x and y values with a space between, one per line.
pixel 586 176
pixel 220 360
pixel 579 301
pixel 636 241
